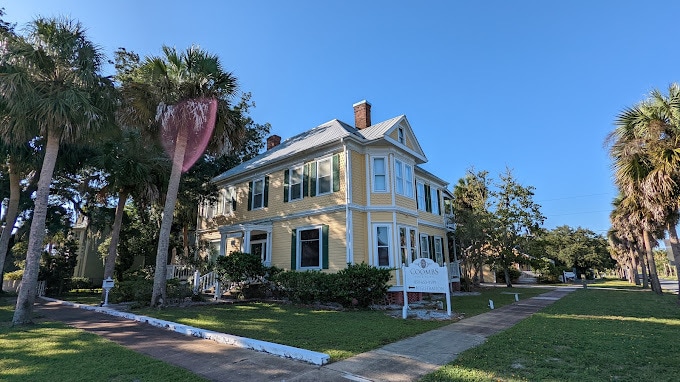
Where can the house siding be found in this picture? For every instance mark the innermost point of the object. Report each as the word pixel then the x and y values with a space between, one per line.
pixel 360 233
pixel 337 244
pixel 358 178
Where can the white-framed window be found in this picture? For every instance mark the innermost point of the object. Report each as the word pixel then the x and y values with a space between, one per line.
pixel 435 201
pixel 309 244
pixel 420 191
pixel 439 250
pixel 324 176
pixel 382 245
pixel 258 194
pixel 214 250
pixel 403 178
pixel 399 176
pixel 408 181
pixel 400 135
pixel 295 186
pixel 408 244
pixel 424 246
pixel 259 248
pixel 379 175
pixel 226 202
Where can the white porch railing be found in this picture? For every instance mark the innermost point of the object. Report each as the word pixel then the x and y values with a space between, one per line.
pixel 181 272
pixel 205 282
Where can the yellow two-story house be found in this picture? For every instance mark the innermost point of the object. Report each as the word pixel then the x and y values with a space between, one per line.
pixel 333 195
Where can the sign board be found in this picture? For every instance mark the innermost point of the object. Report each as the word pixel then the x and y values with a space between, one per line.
pixel 424 275
pixel 108 283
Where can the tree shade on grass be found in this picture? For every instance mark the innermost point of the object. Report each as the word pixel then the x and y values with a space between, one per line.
pixel 589 335
pixel 54 352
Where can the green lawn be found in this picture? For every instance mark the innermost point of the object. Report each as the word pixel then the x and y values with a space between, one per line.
pixel 54 352
pixel 325 331
pixel 589 335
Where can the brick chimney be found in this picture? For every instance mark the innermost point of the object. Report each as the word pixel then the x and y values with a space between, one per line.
pixel 362 114
pixel 273 141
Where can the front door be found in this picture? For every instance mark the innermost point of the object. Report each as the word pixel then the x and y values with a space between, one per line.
pixel 259 247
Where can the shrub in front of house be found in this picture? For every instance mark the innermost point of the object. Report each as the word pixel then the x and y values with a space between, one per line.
pixel 514 275
pixel 358 285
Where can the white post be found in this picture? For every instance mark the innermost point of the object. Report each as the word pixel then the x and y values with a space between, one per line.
pixel 404 310
pixel 197 281
pixel 491 304
pixel 516 296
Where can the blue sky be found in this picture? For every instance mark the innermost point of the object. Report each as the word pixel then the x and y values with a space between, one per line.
pixel 530 85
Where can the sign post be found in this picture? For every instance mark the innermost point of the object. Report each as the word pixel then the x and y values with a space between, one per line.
pixel 107 285
pixel 424 275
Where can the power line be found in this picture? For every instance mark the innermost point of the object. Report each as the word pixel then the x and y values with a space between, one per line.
pixel 575 197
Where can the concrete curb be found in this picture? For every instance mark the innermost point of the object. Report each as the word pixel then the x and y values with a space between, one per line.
pixel 285 351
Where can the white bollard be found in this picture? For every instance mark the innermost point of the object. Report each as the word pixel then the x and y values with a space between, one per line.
pixel 516 296
pixel 491 304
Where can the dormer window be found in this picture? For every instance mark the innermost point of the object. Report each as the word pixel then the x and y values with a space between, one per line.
pixel 400 135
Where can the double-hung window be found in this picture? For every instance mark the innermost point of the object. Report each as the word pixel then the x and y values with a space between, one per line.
pixel 420 192
pixel 408 181
pixel 439 250
pixel 382 245
pixel 324 179
pixel 435 201
pixel 424 246
pixel 399 176
pixel 379 175
pixel 403 178
pixel 400 135
pixel 407 244
pixel 310 248
pixel 258 194
pixel 295 187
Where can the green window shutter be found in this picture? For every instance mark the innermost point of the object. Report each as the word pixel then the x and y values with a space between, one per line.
pixel 431 251
pixel 312 180
pixel 439 202
pixel 286 185
pixel 336 172
pixel 428 199
pixel 265 196
pixel 324 249
pixel 250 196
pixel 293 250
pixel 305 181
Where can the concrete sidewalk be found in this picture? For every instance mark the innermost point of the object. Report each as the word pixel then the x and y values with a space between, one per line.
pixel 406 360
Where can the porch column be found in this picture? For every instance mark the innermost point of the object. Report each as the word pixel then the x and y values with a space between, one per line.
pixel 268 249
pixel 223 244
pixel 245 245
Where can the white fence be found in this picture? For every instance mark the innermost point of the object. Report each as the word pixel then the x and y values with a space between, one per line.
pixel 15 285
pixel 181 272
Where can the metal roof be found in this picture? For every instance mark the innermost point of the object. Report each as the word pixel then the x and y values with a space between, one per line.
pixel 323 134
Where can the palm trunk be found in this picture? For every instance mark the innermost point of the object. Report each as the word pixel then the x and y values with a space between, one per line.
pixel 656 286
pixel 675 247
pixel 159 295
pixel 634 275
pixel 110 265
pixel 643 267
pixel 10 215
pixel 29 282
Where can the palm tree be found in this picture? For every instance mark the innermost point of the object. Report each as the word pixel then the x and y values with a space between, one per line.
pixel 184 95
pixel 52 88
pixel 646 150
pixel 18 162
pixel 133 168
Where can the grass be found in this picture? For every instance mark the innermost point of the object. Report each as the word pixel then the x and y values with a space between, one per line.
pixel 589 335
pixel 50 351
pixel 330 332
